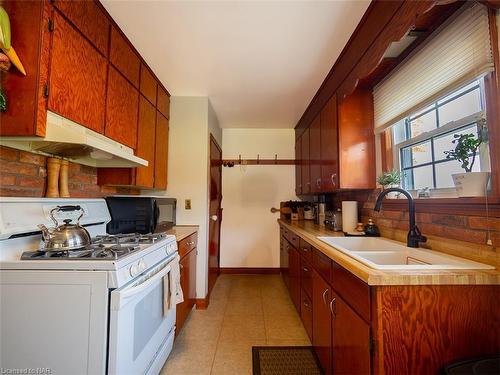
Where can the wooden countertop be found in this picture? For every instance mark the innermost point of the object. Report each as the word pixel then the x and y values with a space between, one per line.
pixel 310 231
pixel 182 231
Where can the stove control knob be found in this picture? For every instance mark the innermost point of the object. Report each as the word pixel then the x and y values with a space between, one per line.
pixel 134 270
pixel 142 265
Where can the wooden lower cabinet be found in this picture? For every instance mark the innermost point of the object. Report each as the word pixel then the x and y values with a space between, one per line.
pixel 351 340
pixel 322 322
pixel 188 282
pixel 405 329
pixel 306 313
pixel 294 276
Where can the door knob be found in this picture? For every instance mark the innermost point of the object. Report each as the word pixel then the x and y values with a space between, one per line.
pixel 213 217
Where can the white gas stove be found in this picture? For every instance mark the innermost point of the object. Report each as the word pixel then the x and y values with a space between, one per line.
pixel 106 307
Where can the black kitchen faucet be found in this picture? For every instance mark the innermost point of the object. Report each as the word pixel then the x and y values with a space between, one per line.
pixel 414 234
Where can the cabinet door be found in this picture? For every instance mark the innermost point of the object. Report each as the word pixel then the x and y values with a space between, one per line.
pixel 322 322
pixel 306 313
pixel 298 166
pixel 145 143
pixel 161 155
pixel 89 19
pixel 181 312
pixel 304 152
pixel 163 102
pixel 351 340
pixel 315 155
pixel 329 146
pixel 294 258
pixel 192 278
pixel 122 105
pixel 124 58
pixel 77 91
pixel 148 84
pixel 286 262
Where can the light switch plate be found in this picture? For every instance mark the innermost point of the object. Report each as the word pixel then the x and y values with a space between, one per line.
pixel 187 204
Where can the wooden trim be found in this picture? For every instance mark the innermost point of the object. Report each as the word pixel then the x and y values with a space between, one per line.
pixel 386 151
pixel 234 162
pixel 250 270
pixel 452 206
pixel 202 303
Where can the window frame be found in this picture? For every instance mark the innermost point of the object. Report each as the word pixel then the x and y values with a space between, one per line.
pixel 477 118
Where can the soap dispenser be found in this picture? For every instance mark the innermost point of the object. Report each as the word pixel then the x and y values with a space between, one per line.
pixel 371 229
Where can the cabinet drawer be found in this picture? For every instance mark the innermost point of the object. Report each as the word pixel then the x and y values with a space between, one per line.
pixel 292 238
pixel 306 313
pixel 187 244
pixel 322 264
pixel 353 290
pixel 306 277
pixel 305 250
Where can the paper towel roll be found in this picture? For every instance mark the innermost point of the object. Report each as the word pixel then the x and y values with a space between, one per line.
pixel 349 215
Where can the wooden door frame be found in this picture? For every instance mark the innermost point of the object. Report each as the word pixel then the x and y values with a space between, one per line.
pixel 219 212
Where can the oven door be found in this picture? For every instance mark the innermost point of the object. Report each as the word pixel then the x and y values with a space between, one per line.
pixel 140 329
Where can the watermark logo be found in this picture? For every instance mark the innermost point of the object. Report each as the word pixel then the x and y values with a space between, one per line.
pixel 26 371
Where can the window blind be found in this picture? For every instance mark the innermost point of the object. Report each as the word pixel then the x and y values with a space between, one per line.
pixel 455 54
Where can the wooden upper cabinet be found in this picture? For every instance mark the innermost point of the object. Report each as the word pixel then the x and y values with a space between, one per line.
pixel 298 166
pixel 357 141
pixel 351 339
pixel 163 104
pixel 145 143
pixel 148 84
pixel 121 110
pixel 77 87
pixel 124 58
pixel 315 155
pixel 161 155
pixel 329 146
pixel 89 18
pixel 27 110
pixel 305 173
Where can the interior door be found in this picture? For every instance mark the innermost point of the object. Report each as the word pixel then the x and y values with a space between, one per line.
pixel 215 212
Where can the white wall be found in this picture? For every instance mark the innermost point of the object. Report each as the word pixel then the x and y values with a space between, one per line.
pixel 250 235
pixel 191 121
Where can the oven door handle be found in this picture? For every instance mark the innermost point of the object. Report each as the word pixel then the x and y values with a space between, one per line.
pixel 126 294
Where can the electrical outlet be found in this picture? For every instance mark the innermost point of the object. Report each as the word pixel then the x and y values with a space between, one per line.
pixel 187 204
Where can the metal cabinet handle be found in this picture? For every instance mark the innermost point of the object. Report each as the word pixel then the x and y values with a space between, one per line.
pixel 318 183
pixel 333 179
pixel 324 296
pixel 305 249
pixel 306 304
pixel 305 269
pixel 333 307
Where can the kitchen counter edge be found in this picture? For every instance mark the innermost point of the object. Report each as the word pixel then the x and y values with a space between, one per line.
pixel 310 231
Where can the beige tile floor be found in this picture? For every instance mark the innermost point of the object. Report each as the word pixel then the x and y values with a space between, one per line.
pixel 244 311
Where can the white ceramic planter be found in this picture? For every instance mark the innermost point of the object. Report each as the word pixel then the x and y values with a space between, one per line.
pixel 392 195
pixel 471 184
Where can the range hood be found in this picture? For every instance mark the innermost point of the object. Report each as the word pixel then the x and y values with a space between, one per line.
pixel 78 144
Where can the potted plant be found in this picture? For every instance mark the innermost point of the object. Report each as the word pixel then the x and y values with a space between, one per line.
pixel 468 184
pixel 390 179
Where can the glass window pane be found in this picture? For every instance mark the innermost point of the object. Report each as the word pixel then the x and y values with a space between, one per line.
pixel 418 113
pixel 416 154
pixel 418 178
pixel 399 132
pixel 443 143
pixel 446 169
pixel 460 107
pixel 458 92
pixel 423 124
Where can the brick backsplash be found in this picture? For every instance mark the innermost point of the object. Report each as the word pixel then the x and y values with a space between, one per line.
pixel 24 174
pixel 472 229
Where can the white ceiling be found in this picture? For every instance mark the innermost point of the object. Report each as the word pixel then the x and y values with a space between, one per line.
pixel 259 62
